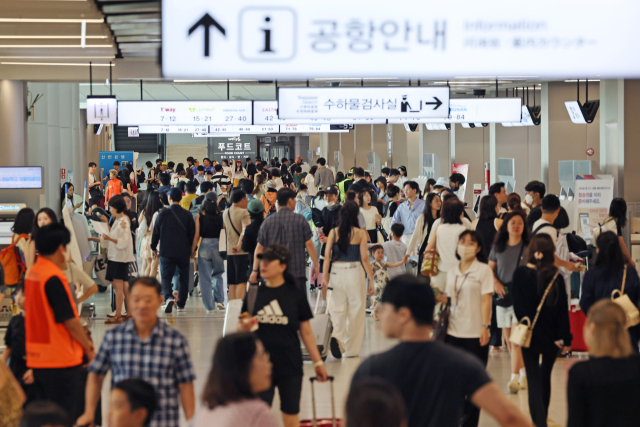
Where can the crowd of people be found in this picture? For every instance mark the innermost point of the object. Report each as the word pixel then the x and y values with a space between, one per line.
pixel 355 238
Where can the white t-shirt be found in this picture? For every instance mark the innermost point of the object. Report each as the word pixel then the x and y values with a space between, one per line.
pixel 551 231
pixel 465 291
pixel 447 244
pixel 465 222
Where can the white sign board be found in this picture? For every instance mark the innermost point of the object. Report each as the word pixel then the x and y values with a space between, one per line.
pixel 172 129
pixel 476 110
pixel 593 198
pixel 575 112
pixel 324 128
pixel 266 112
pixel 363 102
pixel 101 110
pixel 133 132
pixel 403 39
pixel 195 113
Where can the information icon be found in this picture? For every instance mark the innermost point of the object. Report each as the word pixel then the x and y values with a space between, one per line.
pixel 267 34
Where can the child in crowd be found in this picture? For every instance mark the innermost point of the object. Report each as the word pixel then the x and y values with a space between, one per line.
pixel 396 250
pixel 380 274
pixel 114 187
pixel 14 339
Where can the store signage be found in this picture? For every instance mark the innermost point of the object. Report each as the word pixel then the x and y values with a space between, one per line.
pixel 476 110
pixel 266 112
pixel 101 110
pixel 404 39
pixel 195 113
pixel 363 102
pixel 133 132
pixel 223 148
pixel 107 158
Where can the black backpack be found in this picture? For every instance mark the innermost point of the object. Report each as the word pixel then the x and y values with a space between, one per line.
pixel 576 243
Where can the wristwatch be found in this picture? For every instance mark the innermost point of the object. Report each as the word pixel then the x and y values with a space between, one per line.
pixel 486 326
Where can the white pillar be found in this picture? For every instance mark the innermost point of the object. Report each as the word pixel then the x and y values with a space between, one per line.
pixel 612 132
pixel 452 149
pixel 12 123
pixel 544 135
pixel 493 155
pixel 421 135
pixel 324 146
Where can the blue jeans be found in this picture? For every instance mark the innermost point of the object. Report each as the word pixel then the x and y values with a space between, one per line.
pixel 210 265
pixel 168 267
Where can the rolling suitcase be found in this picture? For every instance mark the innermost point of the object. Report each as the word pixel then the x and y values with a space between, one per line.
pixel 322 328
pixel 324 422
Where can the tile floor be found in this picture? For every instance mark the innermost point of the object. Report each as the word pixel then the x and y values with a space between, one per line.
pixel 203 330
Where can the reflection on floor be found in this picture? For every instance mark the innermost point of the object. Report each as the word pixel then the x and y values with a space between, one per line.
pixel 203 331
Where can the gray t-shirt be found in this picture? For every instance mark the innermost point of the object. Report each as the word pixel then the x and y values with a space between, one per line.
pixel 507 261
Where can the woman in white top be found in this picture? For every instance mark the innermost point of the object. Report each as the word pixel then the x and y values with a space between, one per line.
pixel 275 178
pixel 445 232
pixel 310 181
pixel 424 225
pixel 147 222
pixel 179 177
pixel 470 291
pixel 241 369
pixel 69 199
pixel 119 253
pixel 371 216
pixel 238 173
pixel 562 249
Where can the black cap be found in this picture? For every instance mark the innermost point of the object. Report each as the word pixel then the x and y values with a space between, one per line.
pixel 332 190
pixel 276 252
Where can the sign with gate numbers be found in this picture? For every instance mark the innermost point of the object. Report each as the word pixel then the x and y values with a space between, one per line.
pixel 195 113
pixel 363 102
pixel 266 113
pixel 411 39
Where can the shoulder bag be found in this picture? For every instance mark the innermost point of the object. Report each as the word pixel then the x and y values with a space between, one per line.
pixel 507 299
pixel 442 324
pixel 429 266
pixel 630 309
pixel 522 332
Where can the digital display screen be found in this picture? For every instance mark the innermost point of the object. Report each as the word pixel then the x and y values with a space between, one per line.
pixel 20 177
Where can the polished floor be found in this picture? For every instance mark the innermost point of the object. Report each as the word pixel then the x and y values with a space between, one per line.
pixel 204 329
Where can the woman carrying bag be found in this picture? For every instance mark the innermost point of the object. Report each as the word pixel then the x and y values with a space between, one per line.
pixel 615 222
pixel 608 275
pixel 425 223
pixel 506 255
pixel 539 295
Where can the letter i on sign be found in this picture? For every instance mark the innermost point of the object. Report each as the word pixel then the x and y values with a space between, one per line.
pixel 267 36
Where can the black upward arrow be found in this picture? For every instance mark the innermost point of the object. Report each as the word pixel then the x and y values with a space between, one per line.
pixel 207 21
pixel 437 104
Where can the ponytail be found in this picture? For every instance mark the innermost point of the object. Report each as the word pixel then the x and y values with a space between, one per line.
pixel 541 255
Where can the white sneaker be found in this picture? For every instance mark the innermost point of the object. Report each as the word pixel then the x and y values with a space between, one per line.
pixel 523 383
pixel 113 313
pixel 168 306
pixel 513 386
pixel 220 306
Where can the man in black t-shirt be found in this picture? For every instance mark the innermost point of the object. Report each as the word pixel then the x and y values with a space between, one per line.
pixel 535 193
pixel 433 378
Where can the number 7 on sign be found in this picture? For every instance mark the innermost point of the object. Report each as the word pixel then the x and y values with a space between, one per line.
pixel 206 22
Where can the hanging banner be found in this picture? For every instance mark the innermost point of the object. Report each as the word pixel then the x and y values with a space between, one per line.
pixel 464 170
pixel 593 198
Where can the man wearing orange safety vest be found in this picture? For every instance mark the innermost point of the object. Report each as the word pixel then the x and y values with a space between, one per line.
pixel 55 339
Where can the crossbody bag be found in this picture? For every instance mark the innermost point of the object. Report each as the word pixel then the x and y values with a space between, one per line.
pixel 623 300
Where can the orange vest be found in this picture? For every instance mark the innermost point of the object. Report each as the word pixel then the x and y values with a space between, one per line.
pixel 48 344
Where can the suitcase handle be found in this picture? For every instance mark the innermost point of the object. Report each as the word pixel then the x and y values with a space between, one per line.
pixel 313 402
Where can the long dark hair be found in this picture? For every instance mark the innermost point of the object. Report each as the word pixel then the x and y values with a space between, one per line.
pixel 475 237
pixel 488 206
pixel 154 204
pixel 452 210
pixel 313 170
pixel 229 377
pixel 23 223
pixel 502 236
pixel 610 256
pixel 618 211
pixel 50 213
pixel 64 190
pixel 428 217
pixel 235 169
pixel 542 244
pixel 346 223
pixel 179 168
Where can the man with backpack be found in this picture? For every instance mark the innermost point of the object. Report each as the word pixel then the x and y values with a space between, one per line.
pixel 221 181
pixel 550 210
pixel 196 203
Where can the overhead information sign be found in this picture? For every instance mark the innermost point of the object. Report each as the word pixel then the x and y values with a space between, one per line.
pixel 172 129
pixel 404 39
pixel 266 112
pixel 101 110
pixel 200 113
pixel 476 110
pixel 363 102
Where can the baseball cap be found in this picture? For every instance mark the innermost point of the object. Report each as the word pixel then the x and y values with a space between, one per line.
pixel 367 174
pixel 275 251
pixel 441 182
pixel 350 173
pixel 175 194
pixel 211 195
pixel 332 190
pixel 255 206
pixel 165 163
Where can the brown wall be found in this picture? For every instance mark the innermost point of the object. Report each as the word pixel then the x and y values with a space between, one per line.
pixel 569 141
pixel 472 148
pixel 437 142
pixel 631 140
pixel 523 145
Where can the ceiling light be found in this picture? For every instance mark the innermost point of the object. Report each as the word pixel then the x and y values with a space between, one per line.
pixel 56 63
pixel 46 46
pixel 52 37
pixel 53 21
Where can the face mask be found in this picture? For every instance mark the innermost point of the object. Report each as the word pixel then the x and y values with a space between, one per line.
pixel 330 204
pixel 528 199
pixel 466 252
pixel 320 204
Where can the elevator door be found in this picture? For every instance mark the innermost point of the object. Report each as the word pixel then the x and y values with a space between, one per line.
pixel 270 151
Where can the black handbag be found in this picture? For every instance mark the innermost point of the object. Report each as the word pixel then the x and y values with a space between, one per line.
pixel 442 324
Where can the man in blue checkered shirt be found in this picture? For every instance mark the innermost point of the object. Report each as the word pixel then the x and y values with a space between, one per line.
pixel 147 348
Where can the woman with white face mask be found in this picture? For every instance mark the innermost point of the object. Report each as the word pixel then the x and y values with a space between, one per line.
pixel 470 290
